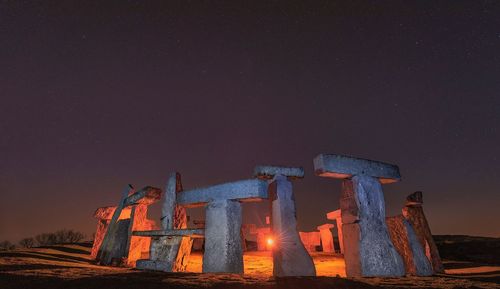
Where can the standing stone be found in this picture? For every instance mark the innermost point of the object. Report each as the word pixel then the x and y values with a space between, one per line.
pixel 368 249
pixel 406 243
pixel 414 213
pixel 223 251
pixel 170 253
pixel 369 232
pixel 289 255
pixel 336 216
pixel 327 237
pixel 103 216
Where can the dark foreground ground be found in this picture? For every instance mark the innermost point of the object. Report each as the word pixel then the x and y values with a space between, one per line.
pixel 470 262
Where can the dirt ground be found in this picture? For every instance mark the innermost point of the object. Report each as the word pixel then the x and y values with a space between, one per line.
pixel 70 267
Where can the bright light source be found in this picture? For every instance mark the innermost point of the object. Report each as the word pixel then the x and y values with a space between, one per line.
pixel 270 241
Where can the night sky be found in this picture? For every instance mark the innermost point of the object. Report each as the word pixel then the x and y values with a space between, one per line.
pixel 94 96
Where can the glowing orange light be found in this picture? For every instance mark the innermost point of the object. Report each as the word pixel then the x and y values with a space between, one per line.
pixel 270 241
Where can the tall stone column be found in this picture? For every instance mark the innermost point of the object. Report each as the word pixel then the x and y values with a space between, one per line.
pixel 336 216
pixel 368 249
pixel 223 250
pixel 289 254
pixel 414 213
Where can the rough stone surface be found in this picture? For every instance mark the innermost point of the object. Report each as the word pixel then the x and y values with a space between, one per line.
pixel 268 172
pixel 366 237
pixel 138 246
pixel 223 251
pixel 336 216
pixel 146 196
pixel 409 248
pixel 289 255
pixel 114 243
pixel 106 213
pixel 414 213
pixel 343 167
pixel 311 240
pixel 326 238
pixel 170 248
pixel 245 190
pixel 102 226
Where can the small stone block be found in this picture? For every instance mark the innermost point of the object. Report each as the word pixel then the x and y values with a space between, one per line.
pixel 344 167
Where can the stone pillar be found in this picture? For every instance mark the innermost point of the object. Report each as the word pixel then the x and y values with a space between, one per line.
pixel 406 243
pixel 327 238
pixel 336 216
pixel 368 248
pixel 289 255
pixel 414 213
pixel 169 253
pixel 223 251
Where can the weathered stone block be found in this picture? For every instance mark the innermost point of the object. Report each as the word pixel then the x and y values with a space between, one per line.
pixel 245 191
pixel 289 255
pixel 409 248
pixel 343 167
pixel 326 237
pixel 369 239
pixel 414 213
pixel 223 251
pixel 268 172
pixel 336 216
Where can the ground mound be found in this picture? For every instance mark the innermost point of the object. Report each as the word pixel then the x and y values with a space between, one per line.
pixel 69 266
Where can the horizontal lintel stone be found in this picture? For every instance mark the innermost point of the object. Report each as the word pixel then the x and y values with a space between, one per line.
pixel 193 233
pixel 343 167
pixel 245 191
pixel 325 227
pixel 268 172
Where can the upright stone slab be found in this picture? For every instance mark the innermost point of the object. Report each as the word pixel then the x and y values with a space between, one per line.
pixel 290 258
pixel 406 243
pixel 414 213
pixel 170 253
pixel 336 216
pixel 368 248
pixel 326 238
pixel 223 250
pixel 103 216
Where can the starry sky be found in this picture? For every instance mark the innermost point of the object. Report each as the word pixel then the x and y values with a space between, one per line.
pixel 96 95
